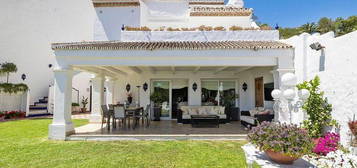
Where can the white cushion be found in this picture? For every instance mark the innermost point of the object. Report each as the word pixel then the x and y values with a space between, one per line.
pixel 186 116
pixel 248 119
pixel 202 111
pixel 222 116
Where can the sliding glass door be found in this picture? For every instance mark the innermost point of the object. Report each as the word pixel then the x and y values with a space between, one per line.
pixel 163 90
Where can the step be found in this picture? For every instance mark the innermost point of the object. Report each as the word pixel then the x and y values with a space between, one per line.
pixel 42 101
pixel 38 107
pixel 159 137
pixel 39 115
pixel 38 104
pixel 37 112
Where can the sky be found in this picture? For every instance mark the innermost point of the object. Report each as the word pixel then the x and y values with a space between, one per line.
pixel 293 13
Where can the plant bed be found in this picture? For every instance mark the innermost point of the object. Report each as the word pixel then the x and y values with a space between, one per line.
pixel 282 143
pixel 14 115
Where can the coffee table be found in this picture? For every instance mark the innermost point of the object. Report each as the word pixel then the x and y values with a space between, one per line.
pixel 199 121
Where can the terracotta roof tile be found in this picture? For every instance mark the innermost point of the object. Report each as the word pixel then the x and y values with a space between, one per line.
pixel 115 3
pixel 182 45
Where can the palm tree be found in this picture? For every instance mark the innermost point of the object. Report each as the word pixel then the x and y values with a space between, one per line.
pixel 309 27
pixel 8 68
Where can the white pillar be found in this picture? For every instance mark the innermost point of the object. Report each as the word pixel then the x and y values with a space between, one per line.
pixel 62 124
pixel 97 98
pixel 110 91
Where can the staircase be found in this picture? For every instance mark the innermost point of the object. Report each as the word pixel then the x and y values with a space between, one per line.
pixel 39 108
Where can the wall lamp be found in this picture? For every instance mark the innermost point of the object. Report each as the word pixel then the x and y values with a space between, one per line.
pixel 316 46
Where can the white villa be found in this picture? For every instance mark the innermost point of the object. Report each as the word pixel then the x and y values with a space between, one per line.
pixel 200 54
pixel 158 44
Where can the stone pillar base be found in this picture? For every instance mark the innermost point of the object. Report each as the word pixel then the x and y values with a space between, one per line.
pixel 60 131
pixel 95 118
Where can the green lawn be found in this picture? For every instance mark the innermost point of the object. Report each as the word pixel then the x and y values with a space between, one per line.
pixel 24 144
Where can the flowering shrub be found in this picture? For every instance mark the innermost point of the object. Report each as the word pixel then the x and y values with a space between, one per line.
pixel 14 114
pixel 2 114
pixel 288 139
pixel 327 144
pixel 335 159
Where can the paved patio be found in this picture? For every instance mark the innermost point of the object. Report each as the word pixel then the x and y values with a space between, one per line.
pixel 161 130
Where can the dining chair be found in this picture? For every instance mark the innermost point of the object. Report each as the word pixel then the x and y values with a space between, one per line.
pixel 119 114
pixel 146 115
pixel 105 115
pixel 111 112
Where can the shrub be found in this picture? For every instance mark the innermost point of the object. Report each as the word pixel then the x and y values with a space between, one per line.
pixel 219 28
pixel 2 114
pixel 288 139
pixel 14 114
pixel 327 144
pixel 317 108
pixel 205 28
pixel 235 28
pixel 75 104
pixel 13 88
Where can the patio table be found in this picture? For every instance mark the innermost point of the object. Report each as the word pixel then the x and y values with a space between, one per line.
pixel 133 112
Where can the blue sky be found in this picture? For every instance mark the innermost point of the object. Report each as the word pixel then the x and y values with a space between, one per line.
pixel 292 13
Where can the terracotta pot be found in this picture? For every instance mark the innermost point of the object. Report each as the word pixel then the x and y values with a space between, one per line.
pixel 280 158
pixel 83 110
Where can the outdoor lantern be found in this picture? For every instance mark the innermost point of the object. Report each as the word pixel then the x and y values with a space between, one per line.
pixel 49 65
pixel 316 46
pixel 127 87
pixel 194 86
pixel 145 86
pixel 23 76
pixel 122 27
pixel 245 86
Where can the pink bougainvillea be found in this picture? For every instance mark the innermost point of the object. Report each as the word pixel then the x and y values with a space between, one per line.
pixel 327 144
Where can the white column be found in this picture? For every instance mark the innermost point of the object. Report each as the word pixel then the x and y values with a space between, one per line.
pixel 110 91
pixel 97 98
pixel 62 124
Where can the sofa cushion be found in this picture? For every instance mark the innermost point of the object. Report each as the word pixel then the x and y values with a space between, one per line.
pixel 202 111
pixel 222 116
pixel 186 116
pixel 248 119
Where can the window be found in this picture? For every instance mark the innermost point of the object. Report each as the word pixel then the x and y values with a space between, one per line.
pixel 216 92
pixel 268 88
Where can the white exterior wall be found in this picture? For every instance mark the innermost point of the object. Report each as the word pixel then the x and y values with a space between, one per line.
pixel 215 21
pixel 244 35
pixel 14 102
pixel 29 27
pixel 338 77
pixel 110 20
pixel 246 99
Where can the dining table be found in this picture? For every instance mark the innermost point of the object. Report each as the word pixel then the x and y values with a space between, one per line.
pixel 130 112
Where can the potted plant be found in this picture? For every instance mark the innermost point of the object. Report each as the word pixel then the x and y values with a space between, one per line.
pixel 75 107
pixel 318 109
pixel 84 104
pixel 2 116
pixel 353 128
pixel 282 143
pixel 158 98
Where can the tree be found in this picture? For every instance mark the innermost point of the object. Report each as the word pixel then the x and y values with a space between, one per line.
pixel 317 108
pixel 325 25
pixel 309 28
pixel 7 68
pixel 346 26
